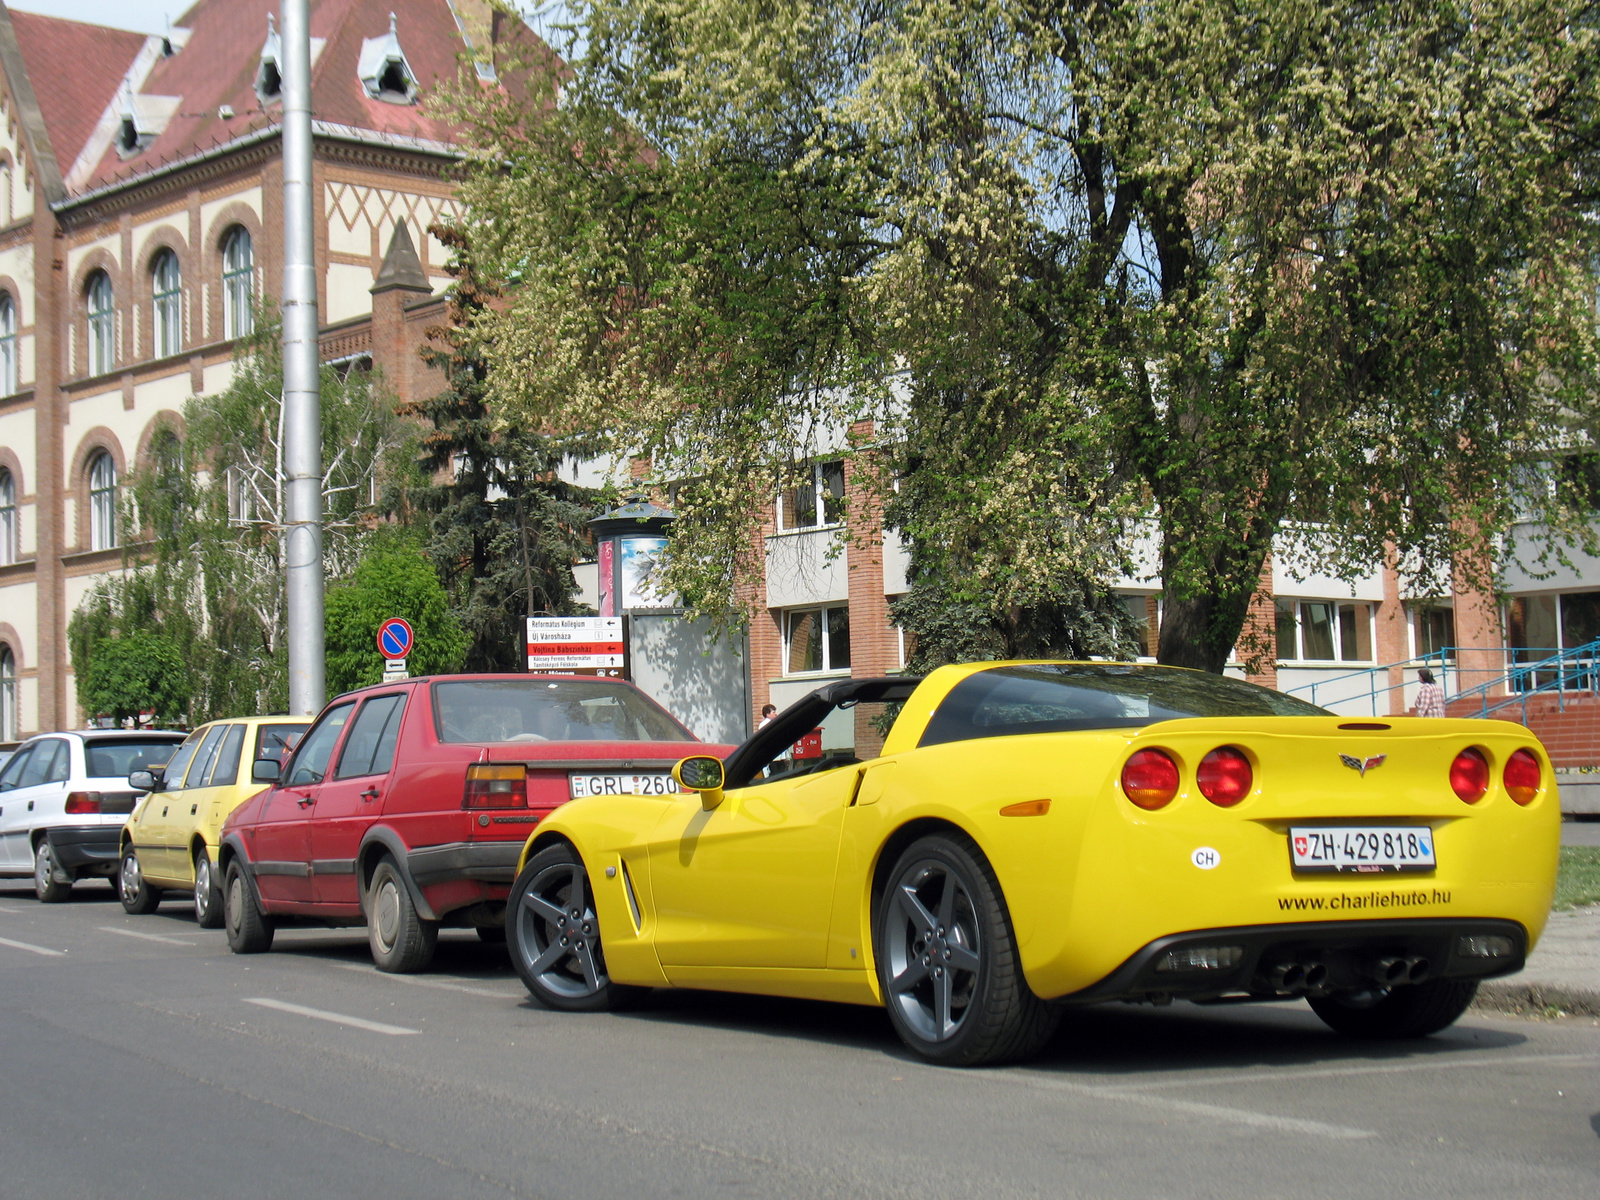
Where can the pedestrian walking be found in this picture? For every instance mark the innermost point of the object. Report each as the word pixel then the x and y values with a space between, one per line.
pixel 1430 696
pixel 768 711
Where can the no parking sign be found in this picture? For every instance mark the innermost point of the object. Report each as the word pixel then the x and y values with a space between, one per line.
pixel 395 642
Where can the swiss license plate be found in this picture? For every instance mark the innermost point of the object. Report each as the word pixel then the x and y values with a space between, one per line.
pixel 642 784
pixel 1361 849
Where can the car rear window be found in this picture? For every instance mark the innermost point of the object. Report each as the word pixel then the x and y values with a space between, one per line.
pixel 111 759
pixel 1057 698
pixel 541 709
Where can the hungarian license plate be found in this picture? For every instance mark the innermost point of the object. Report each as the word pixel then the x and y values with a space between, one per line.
pixel 1361 849
pixel 592 784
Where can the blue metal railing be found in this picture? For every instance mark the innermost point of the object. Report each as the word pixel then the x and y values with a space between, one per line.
pixel 1439 661
pixel 1563 673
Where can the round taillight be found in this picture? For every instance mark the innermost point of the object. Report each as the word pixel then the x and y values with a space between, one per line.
pixel 1469 775
pixel 1224 776
pixel 1522 776
pixel 1150 779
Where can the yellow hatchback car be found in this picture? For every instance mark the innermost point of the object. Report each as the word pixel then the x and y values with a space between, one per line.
pixel 170 842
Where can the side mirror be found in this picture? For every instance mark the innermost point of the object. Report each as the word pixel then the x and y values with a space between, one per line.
pixel 702 774
pixel 142 781
pixel 265 770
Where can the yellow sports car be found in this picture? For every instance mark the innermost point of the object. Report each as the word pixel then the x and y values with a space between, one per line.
pixel 170 841
pixel 1038 835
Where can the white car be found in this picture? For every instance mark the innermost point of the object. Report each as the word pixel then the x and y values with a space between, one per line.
pixel 63 800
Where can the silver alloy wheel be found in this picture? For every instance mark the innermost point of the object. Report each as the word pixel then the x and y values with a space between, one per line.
pixel 130 879
pixel 558 934
pixel 933 949
pixel 44 864
pixel 202 885
pixel 386 913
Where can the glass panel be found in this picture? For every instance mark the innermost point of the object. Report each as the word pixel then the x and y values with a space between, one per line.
pixel 60 765
pixel 116 759
pixel 1355 632
pixel 550 710
pixel 1284 616
pixel 311 759
pixel 200 769
pixel 1139 618
pixel 12 775
pixel 1316 630
pixel 838 638
pixel 226 769
pixel 275 741
pixel 1539 625
pixel 832 478
pixel 364 749
pixel 805 641
pixel 38 768
pixel 800 504
pixel 178 763
pixel 1580 618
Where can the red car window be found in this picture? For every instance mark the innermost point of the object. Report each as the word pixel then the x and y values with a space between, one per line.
pixel 369 750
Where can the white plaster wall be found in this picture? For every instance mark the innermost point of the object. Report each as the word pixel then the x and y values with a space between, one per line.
pixel 800 571
pixel 1295 574
pixel 19 608
pixel 1522 571
pixel 208 211
pixel 16 197
pixel 17 435
pixel 349 292
pixel 355 239
pixel 168 392
pixel 111 244
pixel 587 576
pixel 217 378
pixel 896 561
pixel 1144 551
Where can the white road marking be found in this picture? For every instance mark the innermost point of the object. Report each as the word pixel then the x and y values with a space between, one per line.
pixel 149 937
pixel 1410 1065
pixel 11 912
pixel 1216 1112
pixel 31 946
pixel 319 1014
pixel 429 983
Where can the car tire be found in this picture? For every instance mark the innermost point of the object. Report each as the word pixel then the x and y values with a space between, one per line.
pixel 46 886
pixel 1413 1011
pixel 553 934
pixel 401 941
pixel 947 959
pixel 137 896
pixel 250 931
pixel 209 905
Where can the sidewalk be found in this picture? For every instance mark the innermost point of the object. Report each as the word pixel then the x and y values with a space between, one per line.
pixel 1563 972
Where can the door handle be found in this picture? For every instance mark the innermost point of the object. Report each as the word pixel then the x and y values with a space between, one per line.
pixel 305 802
pixel 164 808
pixel 193 808
pixel 371 793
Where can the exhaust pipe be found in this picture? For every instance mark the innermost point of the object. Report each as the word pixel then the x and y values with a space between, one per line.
pixel 1287 977
pixel 1418 970
pixel 1315 978
pixel 1388 971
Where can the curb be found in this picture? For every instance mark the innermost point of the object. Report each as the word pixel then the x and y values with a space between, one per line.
pixel 1537 999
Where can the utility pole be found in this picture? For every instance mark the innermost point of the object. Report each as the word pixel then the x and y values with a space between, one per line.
pixel 302 401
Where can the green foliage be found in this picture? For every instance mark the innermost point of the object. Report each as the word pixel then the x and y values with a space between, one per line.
pixel 504 528
pixel 131 672
pixel 1214 265
pixel 390 582
pixel 1578 878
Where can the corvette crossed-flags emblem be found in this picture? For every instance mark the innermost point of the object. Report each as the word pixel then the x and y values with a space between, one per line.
pixel 1361 766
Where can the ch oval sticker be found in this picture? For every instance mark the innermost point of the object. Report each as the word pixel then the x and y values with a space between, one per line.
pixel 1205 857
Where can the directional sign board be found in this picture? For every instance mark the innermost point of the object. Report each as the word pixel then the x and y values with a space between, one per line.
pixel 575 646
pixel 395 638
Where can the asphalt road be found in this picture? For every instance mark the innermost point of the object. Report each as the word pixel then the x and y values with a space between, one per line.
pixel 141 1058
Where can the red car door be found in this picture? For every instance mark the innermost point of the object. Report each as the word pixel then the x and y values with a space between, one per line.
pixel 351 798
pixel 281 847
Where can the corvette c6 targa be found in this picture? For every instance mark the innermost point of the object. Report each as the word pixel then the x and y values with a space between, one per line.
pixel 1035 836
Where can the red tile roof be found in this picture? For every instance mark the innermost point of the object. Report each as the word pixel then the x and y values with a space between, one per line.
pixel 77 68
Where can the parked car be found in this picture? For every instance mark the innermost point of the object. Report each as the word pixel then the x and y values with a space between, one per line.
pixel 63 799
pixel 170 843
pixel 405 805
pixel 1041 835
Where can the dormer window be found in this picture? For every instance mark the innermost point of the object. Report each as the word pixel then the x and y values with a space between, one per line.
pixel 384 71
pixel 269 75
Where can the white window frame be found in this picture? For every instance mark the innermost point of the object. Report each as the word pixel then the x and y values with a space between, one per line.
pixel 238 283
pixel 9 521
pixel 9 375
pixel 8 695
pixel 820 499
pixel 102 307
pixel 102 501
pixel 166 296
pixel 1337 632
pixel 822 610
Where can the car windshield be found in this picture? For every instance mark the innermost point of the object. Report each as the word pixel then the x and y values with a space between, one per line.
pixel 114 759
pixel 1062 697
pixel 541 709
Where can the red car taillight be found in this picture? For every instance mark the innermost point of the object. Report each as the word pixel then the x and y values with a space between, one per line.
pixel 1224 776
pixel 1150 779
pixel 83 802
pixel 1522 776
pixel 1469 775
pixel 496 785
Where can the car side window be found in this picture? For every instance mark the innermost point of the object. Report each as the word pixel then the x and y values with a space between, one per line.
pixel 41 767
pixel 226 769
pixel 311 757
pixel 204 758
pixel 369 750
pixel 178 764
pixel 11 777
pixel 61 765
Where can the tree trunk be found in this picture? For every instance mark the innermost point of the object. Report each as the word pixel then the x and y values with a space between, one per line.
pixel 1199 630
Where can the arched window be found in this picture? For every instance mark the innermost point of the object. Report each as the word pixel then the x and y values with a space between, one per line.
pixel 238 283
pixel 102 502
pixel 169 498
pixel 8 518
pixel 8 695
pixel 8 344
pixel 167 287
pixel 102 324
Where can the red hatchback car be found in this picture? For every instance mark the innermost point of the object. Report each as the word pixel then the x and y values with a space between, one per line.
pixel 405 806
